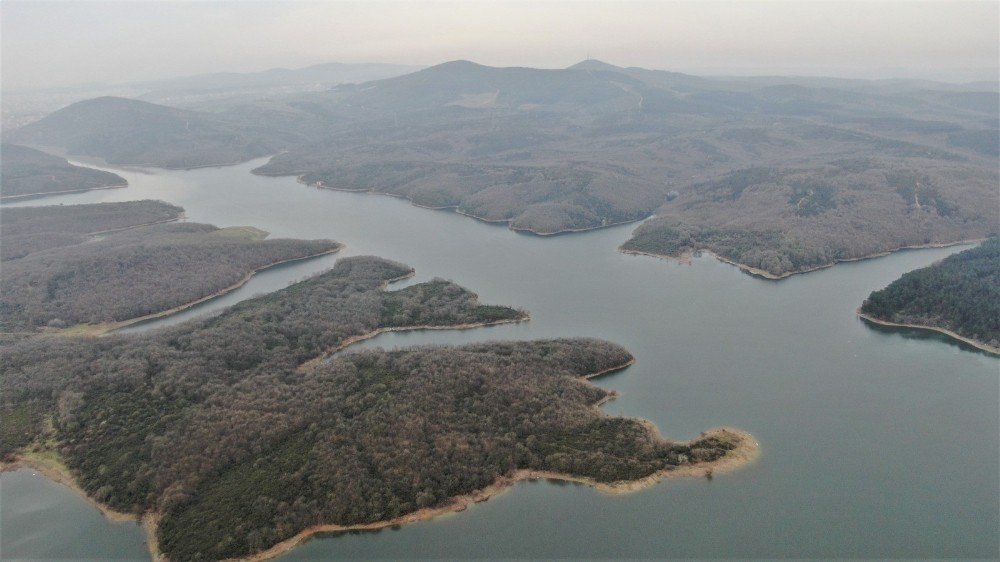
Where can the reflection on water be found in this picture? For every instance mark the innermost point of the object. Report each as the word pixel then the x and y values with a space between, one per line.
pixel 921 334
pixel 874 444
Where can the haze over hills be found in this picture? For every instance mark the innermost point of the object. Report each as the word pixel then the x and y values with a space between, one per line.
pixel 727 162
pixel 132 132
pixel 328 74
pixel 23 107
pixel 26 173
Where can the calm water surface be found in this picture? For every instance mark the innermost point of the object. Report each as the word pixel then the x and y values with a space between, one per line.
pixel 875 443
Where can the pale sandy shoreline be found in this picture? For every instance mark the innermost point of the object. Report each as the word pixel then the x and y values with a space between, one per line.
pixel 685 257
pixel 745 453
pixel 974 343
pixel 61 475
pixel 747 450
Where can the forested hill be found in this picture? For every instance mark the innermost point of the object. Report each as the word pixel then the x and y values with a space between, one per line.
pixel 961 293
pixel 847 169
pixel 26 172
pixel 230 431
pixel 57 274
pixel 782 221
pixel 132 132
pixel 24 230
pixel 779 174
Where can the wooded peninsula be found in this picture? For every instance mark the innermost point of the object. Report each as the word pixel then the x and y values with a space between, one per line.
pixel 27 173
pixel 958 296
pixel 105 264
pixel 230 437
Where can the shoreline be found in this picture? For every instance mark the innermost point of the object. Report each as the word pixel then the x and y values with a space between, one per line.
pixel 974 343
pixel 685 257
pixel 747 450
pixel 246 279
pixel 111 327
pixel 43 194
pixel 347 342
pixel 455 209
pixel 369 335
pixel 60 474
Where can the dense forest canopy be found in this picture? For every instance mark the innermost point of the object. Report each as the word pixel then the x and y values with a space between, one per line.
pixel 26 172
pixel 52 278
pixel 592 145
pixel 788 220
pixel 961 293
pixel 24 230
pixel 232 431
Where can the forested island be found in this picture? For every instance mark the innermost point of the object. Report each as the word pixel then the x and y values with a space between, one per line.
pixel 239 433
pixel 778 175
pixel 958 296
pixel 26 173
pixel 99 266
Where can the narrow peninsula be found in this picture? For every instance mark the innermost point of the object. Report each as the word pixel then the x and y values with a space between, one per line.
pixel 100 267
pixel 26 173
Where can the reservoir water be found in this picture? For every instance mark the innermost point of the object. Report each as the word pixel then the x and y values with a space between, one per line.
pixel 875 443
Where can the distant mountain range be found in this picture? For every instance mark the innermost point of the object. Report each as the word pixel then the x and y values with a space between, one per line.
pixel 327 74
pixel 23 107
pixel 594 144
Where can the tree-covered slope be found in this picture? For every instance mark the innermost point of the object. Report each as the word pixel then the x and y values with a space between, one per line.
pixel 781 221
pixel 132 132
pixel 551 151
pixel 26 172
pixel 237 435
pixel 126 274
pixel 563 150
pixel 961 294
pixel 24 230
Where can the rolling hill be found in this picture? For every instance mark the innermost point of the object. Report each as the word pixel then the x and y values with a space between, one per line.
pixel 132 132
pixel 26 173
pixel 851 168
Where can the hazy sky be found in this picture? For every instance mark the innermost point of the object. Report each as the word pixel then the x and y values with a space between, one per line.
pixel 58 43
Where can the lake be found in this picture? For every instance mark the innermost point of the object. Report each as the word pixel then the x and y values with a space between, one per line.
pixel 875 443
